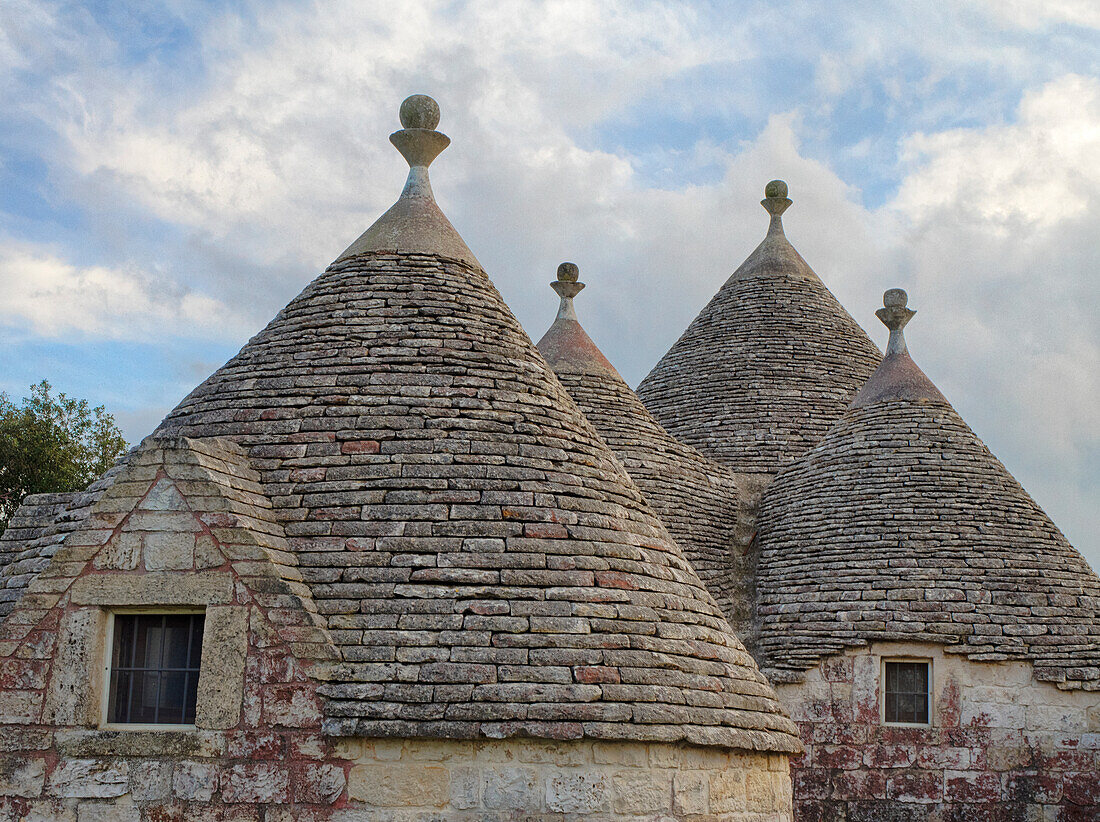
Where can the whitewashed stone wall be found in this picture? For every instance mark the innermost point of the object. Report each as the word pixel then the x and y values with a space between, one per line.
pixel 1002 745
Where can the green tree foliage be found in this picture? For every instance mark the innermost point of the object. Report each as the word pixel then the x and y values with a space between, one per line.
pixel 51 444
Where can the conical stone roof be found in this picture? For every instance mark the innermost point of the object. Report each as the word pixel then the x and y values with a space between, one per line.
pixel 484 564
pixel 767 366
pixel 901 525
pixel 696 498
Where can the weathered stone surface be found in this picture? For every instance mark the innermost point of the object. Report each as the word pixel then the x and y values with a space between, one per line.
pixel 697 499
pixel 83 778
pixel 21 776
pixel 902 524
pixel 767 366
pixel 160 589
pixel 978 754
pixel 221 681
pixel 169 551
pixel 73 695
pixel 477 441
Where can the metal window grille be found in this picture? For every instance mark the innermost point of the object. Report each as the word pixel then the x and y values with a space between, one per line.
pixel 155 668
pixel 907 692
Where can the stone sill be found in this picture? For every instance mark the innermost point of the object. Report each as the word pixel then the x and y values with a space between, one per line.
pixel 171 740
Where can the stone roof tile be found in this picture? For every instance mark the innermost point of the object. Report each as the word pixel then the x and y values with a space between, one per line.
pixel 901 525
pixel 767 366
pixel 696 498
pixel 465 533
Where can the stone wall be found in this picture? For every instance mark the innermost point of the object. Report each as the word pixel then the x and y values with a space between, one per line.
pixel 495 780
pixel 1002 747
pixel 297 777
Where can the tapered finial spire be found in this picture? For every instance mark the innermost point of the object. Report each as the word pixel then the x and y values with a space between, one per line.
pixel 419 142
pixel 414 224
pixel 775 202
pixel 565 344
pixel 894 314
pixel 567 288
pixel 897 377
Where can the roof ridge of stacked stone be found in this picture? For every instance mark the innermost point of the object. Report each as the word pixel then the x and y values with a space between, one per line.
pixel 485 567
pixel 770 362
pixel 696 498
pixel 906 527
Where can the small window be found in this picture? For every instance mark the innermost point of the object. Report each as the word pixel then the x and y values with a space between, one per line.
pixel 155 669
pixel 907 692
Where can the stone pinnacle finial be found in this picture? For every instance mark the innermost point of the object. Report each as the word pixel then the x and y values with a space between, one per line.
pixel 418 141
pixel 567 288
pixel 894 314
pixel 419 111
pixel 775 202
pixel 568 273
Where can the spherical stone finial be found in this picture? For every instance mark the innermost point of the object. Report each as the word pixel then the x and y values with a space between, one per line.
pixel 568 273
pixel 776 188
pixel 419 111
pixel 895 298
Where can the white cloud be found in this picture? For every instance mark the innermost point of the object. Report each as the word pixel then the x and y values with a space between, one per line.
pixel 1031 14
pixel 1038 171
pixel 52 298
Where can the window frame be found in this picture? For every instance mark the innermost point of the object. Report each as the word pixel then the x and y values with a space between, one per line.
pixel 926 661
pixel 108 654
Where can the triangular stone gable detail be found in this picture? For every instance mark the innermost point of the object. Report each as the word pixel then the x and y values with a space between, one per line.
pixel 184 523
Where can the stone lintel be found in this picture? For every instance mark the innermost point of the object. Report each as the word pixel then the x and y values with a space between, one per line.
pixel 154 590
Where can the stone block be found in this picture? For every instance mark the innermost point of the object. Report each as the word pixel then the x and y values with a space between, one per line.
pixel 511 789
pixel 1055 718
pixel 221 677
pixel 122 552
pixel 163 496
pixel 319 784
pixel 915 787
pixel 399 786
pixel 641 792
pixel 993 714
pixel 578 792
pixel 763 791
pixel 20 707
pixel 289 706
pixel 169 551
pixel 255 782
pixel 632 755
pixel 175 521
pixel 49 811
pixel 971 786
pixel 465 787
pixel 154 589
pixel 690 793
pixel 89 778
pixel 195 781
pixel 207 553
pixel 107 812
pixel 150 780
pixel 22 777
pixel 728 790
pixel 73 696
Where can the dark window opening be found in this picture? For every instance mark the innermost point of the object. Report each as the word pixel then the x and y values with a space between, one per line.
pixel 155 669
pixel 907 693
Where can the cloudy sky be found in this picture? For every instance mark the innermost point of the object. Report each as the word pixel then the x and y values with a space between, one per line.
pixel 172 173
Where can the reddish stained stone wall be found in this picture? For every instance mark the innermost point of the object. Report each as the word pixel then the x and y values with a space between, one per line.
pixel 177 531
pixel 274 755
pixel 1002 747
